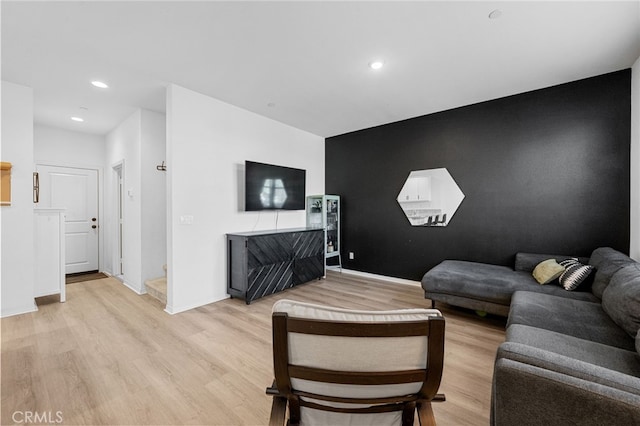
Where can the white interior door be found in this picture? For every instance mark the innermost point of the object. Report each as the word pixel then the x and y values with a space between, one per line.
pixel 76 191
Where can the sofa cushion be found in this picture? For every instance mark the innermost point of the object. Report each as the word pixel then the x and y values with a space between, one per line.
pixel 473 280
pixel 607 262
pixel 621 298
pixel 575 274
pixel 589 375
pixel 547 271
pixel 612 358
pixel 577 318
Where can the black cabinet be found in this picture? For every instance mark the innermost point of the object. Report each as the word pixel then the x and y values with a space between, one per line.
pixel 266 262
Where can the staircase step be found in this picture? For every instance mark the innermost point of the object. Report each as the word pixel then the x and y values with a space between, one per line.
pixel 157 288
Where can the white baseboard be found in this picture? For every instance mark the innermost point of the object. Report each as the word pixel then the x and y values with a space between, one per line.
pixel 379 277
pixel 171 310
pixel 19 311
pixel 132 288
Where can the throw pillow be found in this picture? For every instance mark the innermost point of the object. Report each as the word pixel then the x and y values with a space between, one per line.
pixel 575 274
pixel 621 299
pixel 547 271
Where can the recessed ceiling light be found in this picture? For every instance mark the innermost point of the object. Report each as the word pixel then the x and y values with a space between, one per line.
pixel 78 119
pixel 376 65
pixel 100 84
pixel 495 14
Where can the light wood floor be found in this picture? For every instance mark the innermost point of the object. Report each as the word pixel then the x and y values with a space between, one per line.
pixel 110 357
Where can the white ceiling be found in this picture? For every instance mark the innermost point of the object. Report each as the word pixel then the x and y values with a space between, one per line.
pixel 305 63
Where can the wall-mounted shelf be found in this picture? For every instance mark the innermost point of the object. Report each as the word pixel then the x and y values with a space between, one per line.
pixel 5 184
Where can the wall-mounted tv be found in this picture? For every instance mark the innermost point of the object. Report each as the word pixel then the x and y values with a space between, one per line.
pixel 271 187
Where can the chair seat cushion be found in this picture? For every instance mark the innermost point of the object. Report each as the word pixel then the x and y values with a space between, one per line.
pixel 311 417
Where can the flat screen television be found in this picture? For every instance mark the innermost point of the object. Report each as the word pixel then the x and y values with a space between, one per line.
pixel 271 187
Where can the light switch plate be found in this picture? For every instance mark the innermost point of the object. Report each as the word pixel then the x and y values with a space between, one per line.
pixel 186 220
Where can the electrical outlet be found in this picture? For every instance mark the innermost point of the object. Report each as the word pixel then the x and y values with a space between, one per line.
pixel 352 255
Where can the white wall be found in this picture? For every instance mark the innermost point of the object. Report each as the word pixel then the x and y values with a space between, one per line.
pixel 634 249
pixel 154 199
pixel 66 148
pixel 123 145
pixel 207 144
pixel 17 220
pixel 138 143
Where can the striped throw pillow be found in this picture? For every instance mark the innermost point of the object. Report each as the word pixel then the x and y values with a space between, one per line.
pixel 575 273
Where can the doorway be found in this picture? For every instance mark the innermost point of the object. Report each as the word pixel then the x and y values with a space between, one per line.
pixel 118 269
pixel 75 190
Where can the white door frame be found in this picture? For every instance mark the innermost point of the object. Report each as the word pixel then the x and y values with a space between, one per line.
pixel 117 232
pixel 100 171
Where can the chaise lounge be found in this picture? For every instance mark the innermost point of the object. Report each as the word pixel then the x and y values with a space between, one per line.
pixel 489 288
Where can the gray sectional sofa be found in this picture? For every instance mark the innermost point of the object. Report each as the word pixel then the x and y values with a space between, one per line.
pixel 489 288
pixel 569 358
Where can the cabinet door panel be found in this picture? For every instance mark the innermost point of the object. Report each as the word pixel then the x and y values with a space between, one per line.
pixel 47 266
pixel 267 250
pixel 269 279
pixel 237 265
pixel 308 269
pixel 307 244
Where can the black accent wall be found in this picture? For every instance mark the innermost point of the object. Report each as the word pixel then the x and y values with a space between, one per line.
pixel 545 171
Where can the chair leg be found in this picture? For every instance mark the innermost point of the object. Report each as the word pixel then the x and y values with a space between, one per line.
pixel 408 414
pixel 425 414
pixel 294 411
pixel 278 411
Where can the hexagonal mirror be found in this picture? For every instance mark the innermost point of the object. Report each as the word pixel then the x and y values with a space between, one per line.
pixel 430 197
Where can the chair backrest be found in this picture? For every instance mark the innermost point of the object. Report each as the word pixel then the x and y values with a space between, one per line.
pixel 373 366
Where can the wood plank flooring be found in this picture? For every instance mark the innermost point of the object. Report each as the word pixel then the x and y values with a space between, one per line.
pixel 110 357
pixel 83 277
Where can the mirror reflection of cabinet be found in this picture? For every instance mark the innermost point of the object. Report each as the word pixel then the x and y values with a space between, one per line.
pixel 417 188
pixel 323 211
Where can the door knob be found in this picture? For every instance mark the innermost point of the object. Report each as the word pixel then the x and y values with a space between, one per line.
pixel 93 219
pixel 94 226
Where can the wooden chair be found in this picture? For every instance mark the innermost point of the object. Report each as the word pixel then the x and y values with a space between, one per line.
pixel 335 366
